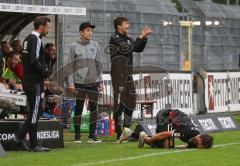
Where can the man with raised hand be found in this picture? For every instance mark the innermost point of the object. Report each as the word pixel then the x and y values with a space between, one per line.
pixel 121 51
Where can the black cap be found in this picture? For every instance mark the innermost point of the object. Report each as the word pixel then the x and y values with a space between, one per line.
pixel 85 25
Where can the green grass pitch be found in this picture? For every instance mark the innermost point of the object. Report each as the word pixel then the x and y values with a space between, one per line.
pixel 226 152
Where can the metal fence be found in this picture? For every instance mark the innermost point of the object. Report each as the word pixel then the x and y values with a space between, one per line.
pixel 216 41
pixel 216 45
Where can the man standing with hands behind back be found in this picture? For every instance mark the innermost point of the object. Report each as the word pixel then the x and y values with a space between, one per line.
pixel 34 73
pixel 121 49
pixel 86 80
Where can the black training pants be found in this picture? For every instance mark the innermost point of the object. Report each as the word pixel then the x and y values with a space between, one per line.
pixel 35 96
pixel 83 91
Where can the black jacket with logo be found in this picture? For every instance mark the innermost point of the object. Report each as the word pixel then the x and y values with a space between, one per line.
pixel 121 52
pixel 33 60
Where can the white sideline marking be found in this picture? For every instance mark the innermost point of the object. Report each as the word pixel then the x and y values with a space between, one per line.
pixel 147 155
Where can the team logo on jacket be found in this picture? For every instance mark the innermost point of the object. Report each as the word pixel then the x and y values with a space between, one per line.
pixel 42 95
pixel 25 45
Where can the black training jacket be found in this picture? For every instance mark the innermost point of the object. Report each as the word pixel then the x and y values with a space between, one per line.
pixel 33 60
pixel 121 52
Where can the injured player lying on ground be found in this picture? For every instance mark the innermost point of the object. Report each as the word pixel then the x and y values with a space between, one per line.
pixel 171 124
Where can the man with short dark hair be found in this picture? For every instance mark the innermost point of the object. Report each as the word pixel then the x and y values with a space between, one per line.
pixel 9 75
pixel 121 49
pixel 5 48
pixel 50 58
pixel 86 79
pixel 16 46
pixel 34 73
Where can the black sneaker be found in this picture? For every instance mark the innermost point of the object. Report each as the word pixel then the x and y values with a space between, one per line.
pixel 77 139
pixel 93 139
